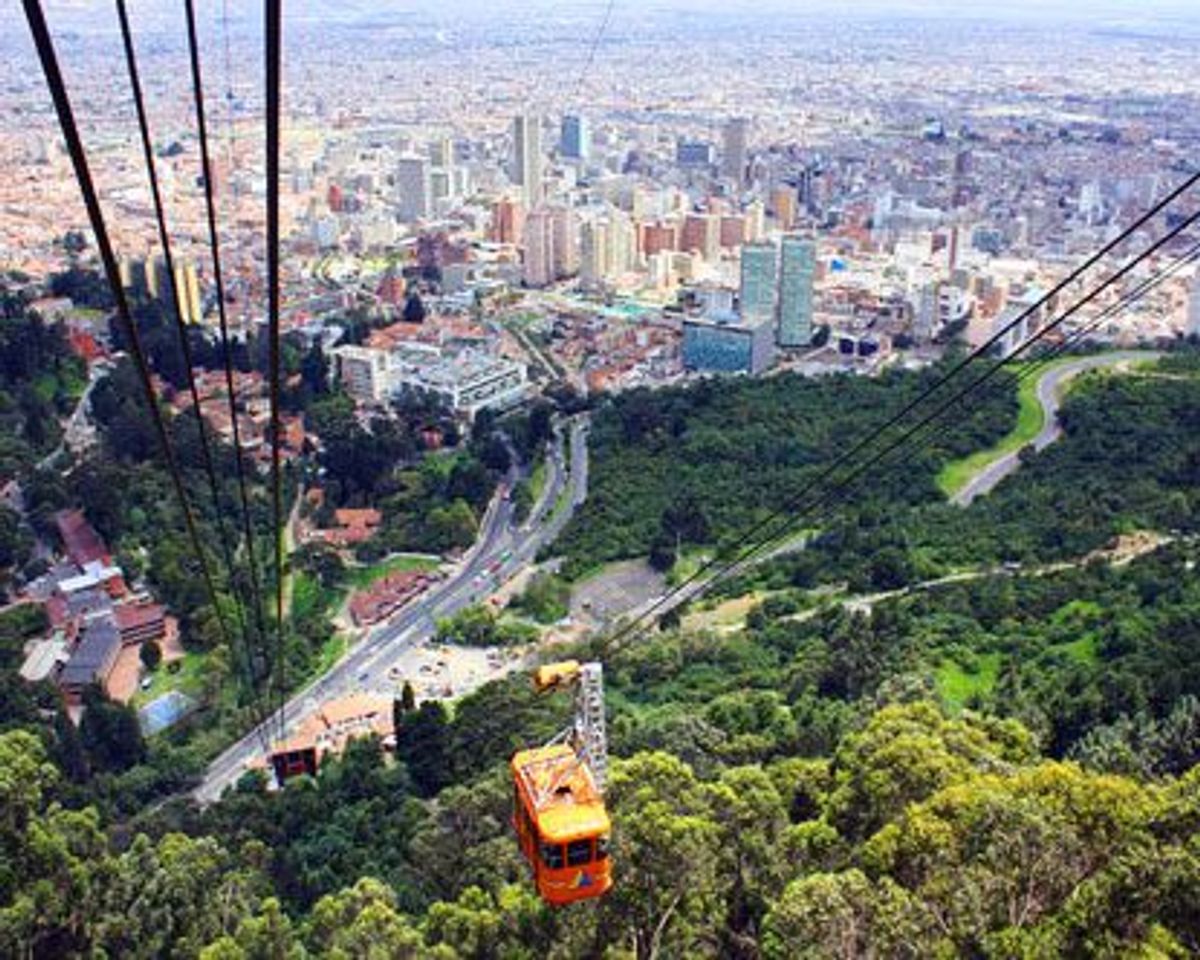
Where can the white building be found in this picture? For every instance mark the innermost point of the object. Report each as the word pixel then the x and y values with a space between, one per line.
pixel 466 382
pixel 363 372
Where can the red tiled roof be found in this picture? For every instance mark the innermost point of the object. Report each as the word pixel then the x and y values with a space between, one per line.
pixel 132 616
pixel 82 542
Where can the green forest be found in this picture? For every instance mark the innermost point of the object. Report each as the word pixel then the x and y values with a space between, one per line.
pixel 697 465
pixel 934 732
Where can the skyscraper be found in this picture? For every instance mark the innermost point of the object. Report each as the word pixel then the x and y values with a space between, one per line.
pixel 412 188
pixel 733 154
pixel 797 261
pixel 508 221
pixel 593 250
pixel 526 169
pixel 576 140
pixel 566 242
pixel 539 248
pixel 760 266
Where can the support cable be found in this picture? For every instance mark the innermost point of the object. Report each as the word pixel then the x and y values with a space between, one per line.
pixel 218 277
pixel 273 37
pixel 164 239
pixel 66 118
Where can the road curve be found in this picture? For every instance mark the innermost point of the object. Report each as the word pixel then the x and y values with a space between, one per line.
pixel 1049 394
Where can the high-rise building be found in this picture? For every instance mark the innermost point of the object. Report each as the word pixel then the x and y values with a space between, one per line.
pixel 441 152
pixel 727 347
pixel 188 285
pixel 622 243
pixel 412 188
pixel 797 262
pixel 701 234
pixel 760 268
pixel 657 237
pixel 576 140
pixel 508 221
pixel 565 258
pixel 733 153
pixel 733 231
pixel 608 247
pixel 694 153
pixel 539 248
pixel 526 170
pixel 593 252
pixel 783 206
pixel 755 222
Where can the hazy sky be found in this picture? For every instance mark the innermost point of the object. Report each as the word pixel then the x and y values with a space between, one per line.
pixel 1075 9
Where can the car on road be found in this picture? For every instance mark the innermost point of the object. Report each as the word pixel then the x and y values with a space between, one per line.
pixel 364 676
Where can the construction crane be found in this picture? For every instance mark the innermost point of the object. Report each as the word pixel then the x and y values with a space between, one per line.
pixel 559 815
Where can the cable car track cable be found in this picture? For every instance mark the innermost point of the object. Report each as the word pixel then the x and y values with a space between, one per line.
pixel 66 117
pixel 219 281
pixel 273 44
pixel 164 238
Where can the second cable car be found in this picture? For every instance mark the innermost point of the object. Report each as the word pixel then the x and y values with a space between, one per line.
pixel 559 815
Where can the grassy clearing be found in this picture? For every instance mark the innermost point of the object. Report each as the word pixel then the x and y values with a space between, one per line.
pixel 956 684
pixel 362 577
pixel 309 598
pixel 537 480
pixel 686 564
pixel 1030 420
pixel 331 653
pixel 728 613
pixel 1082 651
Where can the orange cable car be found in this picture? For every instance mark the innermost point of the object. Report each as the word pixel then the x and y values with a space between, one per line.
pixel 559 816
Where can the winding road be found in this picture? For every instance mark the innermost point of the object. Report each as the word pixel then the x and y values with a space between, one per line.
pixel 502 549
pixel 1049 395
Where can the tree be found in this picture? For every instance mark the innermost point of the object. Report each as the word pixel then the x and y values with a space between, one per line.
pixel 151 655
pixel 174 897
pixel 408 697
pixel 414 308
pixel 667 846
pixel 110 732
pixel 423 744
pixel 54 859
pixel 844 915
pixel 362 922
pixel 905 754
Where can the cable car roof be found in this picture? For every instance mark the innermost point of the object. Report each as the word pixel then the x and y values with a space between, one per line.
pixel 562 792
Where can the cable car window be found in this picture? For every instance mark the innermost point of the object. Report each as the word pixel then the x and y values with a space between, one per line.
pixel 579 852
pixel 552 855
pixel 602 848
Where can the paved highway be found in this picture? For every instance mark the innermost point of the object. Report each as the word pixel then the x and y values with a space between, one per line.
pixel 1049 394
pixel 502 549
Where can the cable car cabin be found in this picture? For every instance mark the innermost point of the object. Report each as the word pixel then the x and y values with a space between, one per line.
pixel 561 823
